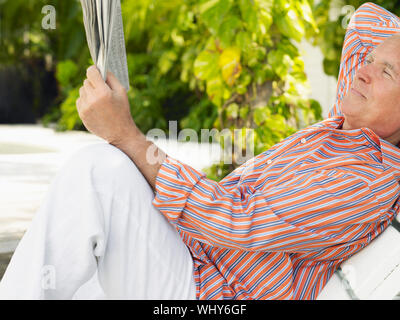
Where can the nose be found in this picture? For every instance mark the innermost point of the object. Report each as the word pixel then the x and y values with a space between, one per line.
pixel 364 74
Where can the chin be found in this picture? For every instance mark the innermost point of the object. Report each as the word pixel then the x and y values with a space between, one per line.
pixel 352 121
pixel 352 108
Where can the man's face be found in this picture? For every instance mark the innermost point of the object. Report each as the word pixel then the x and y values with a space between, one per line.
pixel 373 101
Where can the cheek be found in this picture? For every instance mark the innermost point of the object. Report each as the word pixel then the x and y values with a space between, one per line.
pixel 386 92
pixel 385 122
pixel 384 100
pixel 388 103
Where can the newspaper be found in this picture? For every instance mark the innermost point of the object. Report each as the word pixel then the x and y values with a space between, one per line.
pixel 105 37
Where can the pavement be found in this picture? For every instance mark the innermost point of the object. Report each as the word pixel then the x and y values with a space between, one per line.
pixel 31 156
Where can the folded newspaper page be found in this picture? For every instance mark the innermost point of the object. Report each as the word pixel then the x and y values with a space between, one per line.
pixel 105 37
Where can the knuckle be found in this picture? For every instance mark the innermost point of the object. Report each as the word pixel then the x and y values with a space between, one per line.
pixel 93 101
pixel 121 89
pixel 89 71
pixel 104 94
pixel 87 84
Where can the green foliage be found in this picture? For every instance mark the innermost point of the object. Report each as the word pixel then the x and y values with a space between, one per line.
pixel 68 78
pixel 66 74
pixel 24 43
pixel 70 119
pixel 332 17
pixel 226 51
pixel 207 63
pixel 22 35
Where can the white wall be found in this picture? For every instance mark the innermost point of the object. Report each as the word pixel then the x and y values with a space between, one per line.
pixel 323 87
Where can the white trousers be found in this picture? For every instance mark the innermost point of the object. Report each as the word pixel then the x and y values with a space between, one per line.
pixel 98 236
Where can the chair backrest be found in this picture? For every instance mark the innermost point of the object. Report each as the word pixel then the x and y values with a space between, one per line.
pixel 371 274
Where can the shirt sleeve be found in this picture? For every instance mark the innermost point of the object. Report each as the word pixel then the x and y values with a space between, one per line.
pixel 307 213
pixel 368 27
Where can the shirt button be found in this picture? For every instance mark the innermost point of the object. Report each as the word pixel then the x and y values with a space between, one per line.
pixel 303 140
pixel 269 161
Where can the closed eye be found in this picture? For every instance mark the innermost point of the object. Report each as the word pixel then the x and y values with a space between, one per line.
pixel 387 68
pixel 369 59
pixel 387 73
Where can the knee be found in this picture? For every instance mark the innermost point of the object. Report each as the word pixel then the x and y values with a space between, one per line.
pixel 105 163
pixel 99 154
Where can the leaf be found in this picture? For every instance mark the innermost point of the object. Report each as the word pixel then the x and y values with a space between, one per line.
pixel 305 10
pixel 213 13
pixel 232 111
pixel 286 46
pixel 243 40
pixel 280 62
pixel 241 89
pixel 229 62
pixel 215 90
pixel 166 61
pixel 288 21
pixel 261 115
pixel 243 112
pixel 248 10
pixel 65 72
pixel 276 121
pixel 265 13
pixel 206 65
pixel 228 29
pixel 207 5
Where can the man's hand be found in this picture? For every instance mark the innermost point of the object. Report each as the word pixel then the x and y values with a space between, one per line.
pixel 105 112
pixel 104 107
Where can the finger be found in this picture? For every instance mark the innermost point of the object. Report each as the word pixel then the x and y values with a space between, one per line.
pixel 90 93
pixel 113 82
pixel 88 84
pixel 81 102
pixel 79 105
pixel 94 76
pixel 89 88
pixel 82 92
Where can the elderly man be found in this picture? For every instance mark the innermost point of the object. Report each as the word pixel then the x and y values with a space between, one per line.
pixel 275 228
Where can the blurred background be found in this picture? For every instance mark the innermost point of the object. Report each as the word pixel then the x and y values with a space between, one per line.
pixel 266 65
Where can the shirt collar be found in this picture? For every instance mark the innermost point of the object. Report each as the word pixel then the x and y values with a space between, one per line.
pixel 390 153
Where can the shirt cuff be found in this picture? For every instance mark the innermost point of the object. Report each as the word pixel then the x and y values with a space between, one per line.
pixel 174 183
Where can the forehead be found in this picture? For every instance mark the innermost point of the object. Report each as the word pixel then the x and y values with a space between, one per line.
pixel 389 47
pixel 389 52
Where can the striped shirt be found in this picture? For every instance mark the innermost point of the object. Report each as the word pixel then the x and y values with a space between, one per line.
pixel 279 226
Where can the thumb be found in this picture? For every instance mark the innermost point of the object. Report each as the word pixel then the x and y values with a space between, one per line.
pixel 113 82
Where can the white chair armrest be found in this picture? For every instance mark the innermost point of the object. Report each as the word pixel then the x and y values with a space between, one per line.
pixel 372 273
